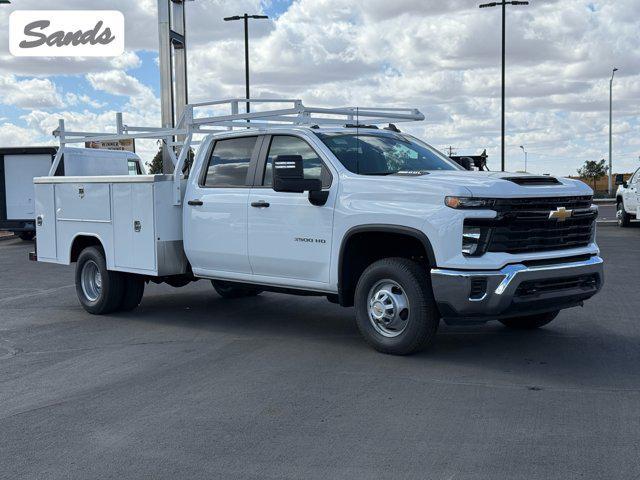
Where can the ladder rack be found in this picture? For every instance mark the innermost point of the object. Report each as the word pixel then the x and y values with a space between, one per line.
pixel 209 117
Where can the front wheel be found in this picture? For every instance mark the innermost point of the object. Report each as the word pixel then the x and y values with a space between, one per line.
pixel 395 309
pixel 99 290
pixel 530 322
pixel 230 290
pixel 624 219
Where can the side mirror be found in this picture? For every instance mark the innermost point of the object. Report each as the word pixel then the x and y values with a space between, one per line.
pixel 625 184
pixel 620 179
pixel 288 176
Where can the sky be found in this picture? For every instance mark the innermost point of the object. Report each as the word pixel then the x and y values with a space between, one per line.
pixel 442 57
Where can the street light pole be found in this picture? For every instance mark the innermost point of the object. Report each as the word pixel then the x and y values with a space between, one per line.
pixel 610 130
pixel 503 4
pixel 246 18
pixel 525 158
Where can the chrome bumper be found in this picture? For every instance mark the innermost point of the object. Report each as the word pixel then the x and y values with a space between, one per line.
pixel 502 298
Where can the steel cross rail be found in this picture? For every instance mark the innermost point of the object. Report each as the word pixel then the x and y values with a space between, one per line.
pixel 290 112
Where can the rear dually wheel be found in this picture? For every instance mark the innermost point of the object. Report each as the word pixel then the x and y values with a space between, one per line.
pixel 99 290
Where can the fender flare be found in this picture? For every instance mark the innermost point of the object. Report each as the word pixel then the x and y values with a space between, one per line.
pixel 384 228
pixel 86 235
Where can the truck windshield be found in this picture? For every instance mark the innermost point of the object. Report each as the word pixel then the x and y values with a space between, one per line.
pixel 384 153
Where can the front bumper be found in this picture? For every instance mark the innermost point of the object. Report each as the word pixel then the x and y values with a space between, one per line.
pixel 516 290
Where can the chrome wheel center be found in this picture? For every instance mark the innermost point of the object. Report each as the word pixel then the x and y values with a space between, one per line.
pixel 91 281
pixel 388 308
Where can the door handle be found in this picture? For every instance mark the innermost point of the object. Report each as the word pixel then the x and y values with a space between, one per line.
pixel 260 204
pixel 194 202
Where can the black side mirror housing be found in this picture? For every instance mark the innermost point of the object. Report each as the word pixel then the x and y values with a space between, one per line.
pixel 625 184
pixel 288 176
pixel 620 180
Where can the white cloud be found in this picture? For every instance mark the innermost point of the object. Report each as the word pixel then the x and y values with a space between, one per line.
pixel 126 61
pixel 14 136
pixel 117 82
pixel 73 100
pixel 31 93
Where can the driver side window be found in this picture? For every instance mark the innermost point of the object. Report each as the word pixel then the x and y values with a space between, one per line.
pixel 290 145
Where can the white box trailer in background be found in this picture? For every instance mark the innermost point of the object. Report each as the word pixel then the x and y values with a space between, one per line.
pixel 19 166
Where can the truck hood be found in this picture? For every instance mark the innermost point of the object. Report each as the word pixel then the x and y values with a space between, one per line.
pixel 507 185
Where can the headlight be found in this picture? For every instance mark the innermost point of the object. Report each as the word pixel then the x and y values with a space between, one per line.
pixel 471 237
pixel 469 202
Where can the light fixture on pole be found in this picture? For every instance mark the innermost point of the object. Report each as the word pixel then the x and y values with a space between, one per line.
pixel 525 158
pixel 610 189
pixel 246 18
pixel 503 4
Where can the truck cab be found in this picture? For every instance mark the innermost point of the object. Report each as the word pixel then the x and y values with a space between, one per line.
pixel 370 217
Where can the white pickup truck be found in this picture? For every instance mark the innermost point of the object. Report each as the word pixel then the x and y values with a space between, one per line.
pixel 371 218
pixel 628 200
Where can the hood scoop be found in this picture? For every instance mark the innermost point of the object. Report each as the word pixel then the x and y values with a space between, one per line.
pixel 533 181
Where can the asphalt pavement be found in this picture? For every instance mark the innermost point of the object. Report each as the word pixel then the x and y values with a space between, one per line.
pixel 607 212
pixel 194 386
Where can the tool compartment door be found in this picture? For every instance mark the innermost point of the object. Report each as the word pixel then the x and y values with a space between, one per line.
pixel 45 211
pixel 133 226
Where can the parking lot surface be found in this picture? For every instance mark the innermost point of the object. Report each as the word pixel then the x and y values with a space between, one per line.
pixel 607 212
pixel 194 386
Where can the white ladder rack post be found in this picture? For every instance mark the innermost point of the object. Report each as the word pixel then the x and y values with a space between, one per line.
pixel 292 112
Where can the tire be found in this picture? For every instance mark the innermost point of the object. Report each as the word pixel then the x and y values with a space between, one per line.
pixel 624 219
pixel 27 236
pixel 395 309
pixel 231 290
pixel 530 322
pixel 133 291
pixel 104 293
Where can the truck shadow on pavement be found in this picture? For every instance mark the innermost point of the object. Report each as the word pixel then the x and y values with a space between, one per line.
pixel 576 351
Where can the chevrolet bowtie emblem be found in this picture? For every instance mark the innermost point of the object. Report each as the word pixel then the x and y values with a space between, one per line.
pixel 561 214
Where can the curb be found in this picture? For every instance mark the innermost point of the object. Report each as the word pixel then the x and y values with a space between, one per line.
pixel 7 237
pixel 607 222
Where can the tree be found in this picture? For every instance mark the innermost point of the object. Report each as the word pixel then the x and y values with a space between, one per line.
pixel 156 164
pixel 155 167
pixel 594 170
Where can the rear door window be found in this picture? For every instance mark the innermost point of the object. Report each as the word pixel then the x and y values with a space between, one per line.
pixel 229 162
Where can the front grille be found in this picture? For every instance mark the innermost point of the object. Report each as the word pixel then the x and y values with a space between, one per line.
pixel 533 236
pixel 523 225
pixel 536 287
pixel 546 203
